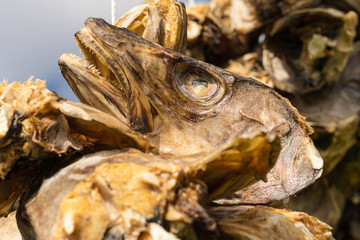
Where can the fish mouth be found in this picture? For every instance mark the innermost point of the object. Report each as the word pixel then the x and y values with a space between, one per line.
pixel 107 76
pixel 96 58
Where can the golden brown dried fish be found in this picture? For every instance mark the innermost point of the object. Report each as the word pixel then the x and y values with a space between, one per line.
pixel 114 193
pixel 163 22
pixel 209 38
pixel 132 195
pixel 322 200
pixel 345 5
pixel 39 127
pixel 309 48
pixel 8 228
pixel 189 98
pixel 261 222
pixel 245 16
pixel 249 65
pixel 334 112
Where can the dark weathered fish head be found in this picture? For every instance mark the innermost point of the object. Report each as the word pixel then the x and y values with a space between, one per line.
pixel 196 107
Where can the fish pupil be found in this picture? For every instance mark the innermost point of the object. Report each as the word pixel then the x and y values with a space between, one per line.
pixel 198 82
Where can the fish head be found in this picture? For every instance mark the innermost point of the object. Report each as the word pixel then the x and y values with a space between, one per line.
pixel 196 107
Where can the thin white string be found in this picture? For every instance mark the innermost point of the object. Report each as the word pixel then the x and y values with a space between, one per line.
pixel 113 10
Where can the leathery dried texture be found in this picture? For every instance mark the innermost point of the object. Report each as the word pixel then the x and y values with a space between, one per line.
pixel 13 186
pixel 334 140
pixel 39 127
pixel 189 97
pixel 322 200
pixel 238 15
pixel 29 128
pixel 105 88
pixel 345 5
pixel 309 48
pixel 8 228
pixel 209 39
pixel 249 65
pixel 246 16
pixel 113 193
pixel 120 194
pixel 260 222
pixel 239 163
pixel 333 112
pixel 163 22
pixel 37 122
pixel 346 175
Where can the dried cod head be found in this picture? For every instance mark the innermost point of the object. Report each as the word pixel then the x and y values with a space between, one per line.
pixel 308 49
pixel 197 107
pixel 163 22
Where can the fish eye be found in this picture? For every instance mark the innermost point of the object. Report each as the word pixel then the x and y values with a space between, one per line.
pixel 198 85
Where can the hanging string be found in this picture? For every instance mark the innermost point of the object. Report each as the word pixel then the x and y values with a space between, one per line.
pixel 113 8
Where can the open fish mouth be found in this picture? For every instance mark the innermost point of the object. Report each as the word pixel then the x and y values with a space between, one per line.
pixel 96 60
pixel 103 81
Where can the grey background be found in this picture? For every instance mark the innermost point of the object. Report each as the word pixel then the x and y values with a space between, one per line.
pixel 34 33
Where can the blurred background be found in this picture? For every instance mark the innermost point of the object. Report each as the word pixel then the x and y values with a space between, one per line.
pixel 33 35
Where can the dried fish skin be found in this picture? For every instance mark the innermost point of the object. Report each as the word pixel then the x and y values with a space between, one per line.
pixel 288 6
pixel 43 123
pixel 163 22
pixel 114 186
pixel 13 186
pixel 85 80
pixel 31 127
pixel 190 96
pixel 333 112
pixel 196 17
pixel 261 222
pixel 8 228
pixel 345 5
pixel 346 175
pixel 246 16
pixel 334 140
pixel 240 163
pixel 98 83
pixel 249 65
pixel 127 201
pixel 322 200
pixel 209 38
pixel 238 15
pixel 46 130
pixel 325 48
pixel 103 200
